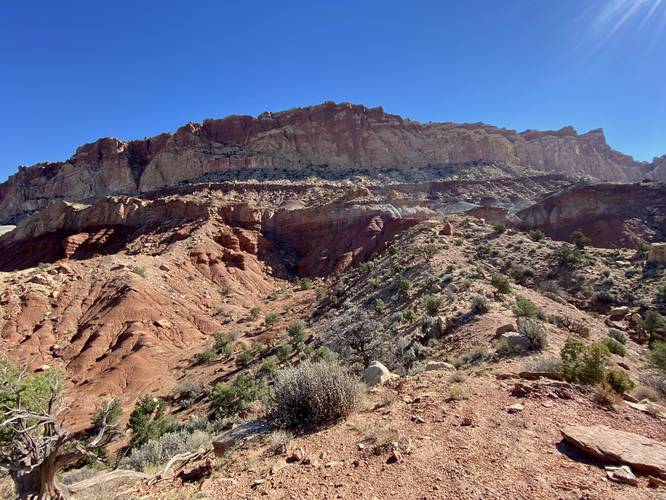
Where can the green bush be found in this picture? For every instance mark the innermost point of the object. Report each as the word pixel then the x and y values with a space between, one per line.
pixel 379 305
pixel 614 346
pixel 500 283
pixel 618 335
pixel 271 319
pixel 432 303
pixel 255 312
pixel 499 228
pixel 139 270
pixel 244 358
pixel 313 394
pixel 584 364
pixel 324 355
pixel 284 352
pixel 579 239
pixel 661 294
pixel 227 400
pixel 658 355
pixel 269 367
pixel 148 421
pixel 473 357
pixel 537 235
pixel 525 308
pixel 304 283
pixel 619 380
pixel 409 316
pixel 568 257
pixel 404 286
pixel 652 323
pixel 297 332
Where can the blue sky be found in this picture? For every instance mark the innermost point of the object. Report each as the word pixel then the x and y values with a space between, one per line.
pixel 74 71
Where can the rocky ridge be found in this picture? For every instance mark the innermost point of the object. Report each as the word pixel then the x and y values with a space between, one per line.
pixel 330 140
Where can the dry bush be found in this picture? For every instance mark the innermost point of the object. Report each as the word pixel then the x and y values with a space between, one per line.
pixel 313 394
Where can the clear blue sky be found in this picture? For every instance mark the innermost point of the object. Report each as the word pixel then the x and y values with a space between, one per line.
pixel 74 71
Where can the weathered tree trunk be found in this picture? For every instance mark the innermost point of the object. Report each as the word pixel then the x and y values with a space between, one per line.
pixel 39 484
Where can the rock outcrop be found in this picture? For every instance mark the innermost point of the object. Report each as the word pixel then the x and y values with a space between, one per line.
pixel 612 215
pixel 330 140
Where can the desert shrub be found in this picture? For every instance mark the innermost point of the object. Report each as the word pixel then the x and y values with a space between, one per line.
pixel 284 352
pixel 255 312
pixel 313 394
pixel 158 451
pixel 457 393
pixel 77 475
pixel 404 286
pixel 148 421
pixel 408 352
pixel 618 335
pixel 304 283
pixel 642 392
pixel 278 442
pixel 614 346
pixel 534 333
pixel 584 364
pixel 187 392
pixel 271 319
pixel 430 250
pixel 432 303
pixel 320 292
pixel 572 325
pixel 374 282
pixel 658 355
pixel 379 305
pixel 480 304
pixel 661 294
pixel 568 257
pixel 500 283
pixel 524 308
pixel 619 380
pixel 521 274
pixel 499 228
pixel 204 357
pixel 537 235
pixel 579 239
pixel 473 357
pixel 223 343
pixel 409 316
pixel 606 297
pixel 269 367
pixel 297 331
pixel 244 358
pixel 652 323
pixel 227 400
pixel 545 364
pixel 324 355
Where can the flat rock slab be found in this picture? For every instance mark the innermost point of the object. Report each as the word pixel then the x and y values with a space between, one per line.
pixel 244 432
pixel 644 455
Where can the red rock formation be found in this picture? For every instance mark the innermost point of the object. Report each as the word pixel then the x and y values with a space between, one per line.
pixel 332 137
pixel 612 215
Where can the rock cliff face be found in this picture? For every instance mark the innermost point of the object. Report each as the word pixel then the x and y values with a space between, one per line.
pixel 612 215
pixel 330 139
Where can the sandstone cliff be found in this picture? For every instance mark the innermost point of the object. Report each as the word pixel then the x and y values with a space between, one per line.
pixel 329 139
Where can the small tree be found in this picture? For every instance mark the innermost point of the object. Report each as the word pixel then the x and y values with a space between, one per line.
pixel 297 332
pixel 34 446
pixel 653 323
pixel 147 421
pixel 500 283
pixel 432 304
pixel 579 239
pixel 584 364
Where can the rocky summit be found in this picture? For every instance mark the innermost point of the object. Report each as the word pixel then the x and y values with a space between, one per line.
pixel 335 302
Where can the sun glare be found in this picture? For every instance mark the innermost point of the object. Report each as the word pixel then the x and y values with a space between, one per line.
pixel 619 14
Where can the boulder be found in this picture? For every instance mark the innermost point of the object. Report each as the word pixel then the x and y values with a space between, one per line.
pixel 376 374
pixel 501 330
pixel 439 365
pixel 621 474
pixel 617 313
pixel 246 431
pixel 447 230
pixel 515 340
pixel 657 253
pixel 642 454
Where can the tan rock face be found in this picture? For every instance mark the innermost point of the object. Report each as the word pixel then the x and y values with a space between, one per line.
pixel 301 142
